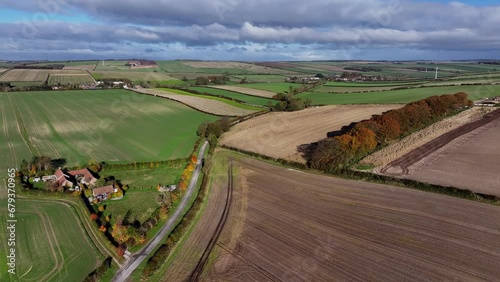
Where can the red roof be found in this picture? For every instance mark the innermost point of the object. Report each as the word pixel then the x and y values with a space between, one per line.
pixel 87 175
pixel 103 190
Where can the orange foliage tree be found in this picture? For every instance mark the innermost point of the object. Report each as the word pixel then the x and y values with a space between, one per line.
pixel 94 216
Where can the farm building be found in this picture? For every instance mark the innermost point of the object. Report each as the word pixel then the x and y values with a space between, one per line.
pixel 102 193
pixel 74 177
pixel 63 178
pixel 84 176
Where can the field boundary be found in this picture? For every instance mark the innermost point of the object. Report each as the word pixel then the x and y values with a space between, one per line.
pixel 356 175
pixel 143 93
pixel 195 275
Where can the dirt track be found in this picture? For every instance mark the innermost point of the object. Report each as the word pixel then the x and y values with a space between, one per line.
pixel 279 134
pixel 471 161
pixel 305 227
pixel 401 165
pixel 400 148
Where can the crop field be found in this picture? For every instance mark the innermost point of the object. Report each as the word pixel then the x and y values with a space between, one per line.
pixel 470 161
pixel 132 75
pixel 34 75
pixel 403 96
pixel 246 90
pixel 258 78
pixel 51 244
pixel 272 87
pixel 279 134
pixel 216 67
pixel 73 79
pixel 2 70
pixel 289 225
pixel 252 100
pixel 352 89
pixel 112 66
pixel 110 125
pixel 370 84
pixel 206 104
pixel 83 67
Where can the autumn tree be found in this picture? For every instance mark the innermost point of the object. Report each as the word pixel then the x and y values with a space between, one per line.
pixel 102 228
pixel 94 216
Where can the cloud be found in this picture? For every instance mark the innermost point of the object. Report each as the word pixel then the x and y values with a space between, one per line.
pixel 256 29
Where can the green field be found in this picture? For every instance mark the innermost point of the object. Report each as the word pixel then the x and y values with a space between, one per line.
pixel 116 126
pixel 226 101
pixel 51 244
pixel 253 100
pixel 112 66
pixel 399 96
pixel 146 175
pixel 137 204
pixel 370 84
pixel 56 79
pixel 273 87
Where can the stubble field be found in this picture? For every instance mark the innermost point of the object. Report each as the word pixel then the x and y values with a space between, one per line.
pixel 279 134
pixel 248 91
pixel 206 104
pixel 295 226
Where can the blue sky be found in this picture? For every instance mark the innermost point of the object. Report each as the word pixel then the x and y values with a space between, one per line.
pixel 253 30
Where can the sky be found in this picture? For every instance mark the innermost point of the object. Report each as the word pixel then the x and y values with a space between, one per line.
pixel 250 30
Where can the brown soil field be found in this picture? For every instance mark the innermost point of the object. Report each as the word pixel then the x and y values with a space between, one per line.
pixel 84 67
pixel 248 91
pixel 400 148
pixel 186 260
pixel 296 226
pixel 279 134
pixel 471 161
pixel 204 105
pixel 34 75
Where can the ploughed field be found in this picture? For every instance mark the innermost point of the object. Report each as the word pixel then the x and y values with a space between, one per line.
pixel 287 225
pixel 279 134
pixel 467 158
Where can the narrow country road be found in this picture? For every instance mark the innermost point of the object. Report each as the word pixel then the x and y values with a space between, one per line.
pixel 136 259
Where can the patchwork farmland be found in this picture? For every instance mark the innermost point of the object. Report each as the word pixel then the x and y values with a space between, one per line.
pixel 33 74
pixel 206 104
pixel 279 135
pixel 109 125
pixel 288 225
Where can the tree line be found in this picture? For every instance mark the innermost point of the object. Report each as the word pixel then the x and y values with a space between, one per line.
pixel 337 153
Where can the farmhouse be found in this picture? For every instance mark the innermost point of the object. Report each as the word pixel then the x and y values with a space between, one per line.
pixel 84 176
pixel 74 177
pixel 102 193
pixel 63 178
